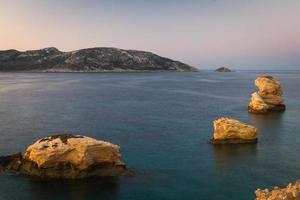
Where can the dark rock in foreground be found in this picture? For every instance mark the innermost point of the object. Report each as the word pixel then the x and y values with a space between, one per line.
pixel 223 69
pixel 11 162
pixel 67 156
pixel 102 59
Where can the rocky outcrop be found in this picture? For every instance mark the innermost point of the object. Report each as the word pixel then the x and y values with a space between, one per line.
pixel 269 96
pixel 102 59
pixel 67 156
pixel 227 130
pixel 291 192
pixel 223 69
pixel 10 162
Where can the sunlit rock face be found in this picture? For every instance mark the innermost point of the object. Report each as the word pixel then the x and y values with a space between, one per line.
pixel 227 130
pixel 80 151
pixel 269 96
pixel 291 192
pixel 69 156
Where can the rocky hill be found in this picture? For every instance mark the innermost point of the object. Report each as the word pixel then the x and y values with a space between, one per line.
pixel 87 60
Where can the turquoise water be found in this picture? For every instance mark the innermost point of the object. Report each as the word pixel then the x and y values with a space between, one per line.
pixel 162 121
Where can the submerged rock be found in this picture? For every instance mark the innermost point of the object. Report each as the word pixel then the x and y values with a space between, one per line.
pixel 269 96
pixel 223 69
pixel 291 192
pixel 227 130
pixel 67 156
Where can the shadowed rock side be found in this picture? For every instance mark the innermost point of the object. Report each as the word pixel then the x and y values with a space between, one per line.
pixel 102 59
pixel 269 96
pixel 291 192
pixel 67 156
pixel 231 131
pixel 223 69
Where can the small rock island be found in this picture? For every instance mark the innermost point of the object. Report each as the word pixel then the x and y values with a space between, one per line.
pixel 231 131
pixel 223 69
pixel 99 59
pixel 67 156
pixel 269 96
pixel 291 192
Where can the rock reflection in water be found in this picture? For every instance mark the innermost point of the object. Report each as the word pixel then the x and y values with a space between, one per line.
pixel 102 188
pixel 229 154
pixel 266 121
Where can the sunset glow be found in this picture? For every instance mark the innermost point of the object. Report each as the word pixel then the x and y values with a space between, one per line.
pixel 207 33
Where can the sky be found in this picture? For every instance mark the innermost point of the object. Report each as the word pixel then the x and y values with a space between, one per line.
pixel 239 34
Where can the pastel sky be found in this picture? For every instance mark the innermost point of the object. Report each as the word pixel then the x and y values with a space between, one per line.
pixel 241 34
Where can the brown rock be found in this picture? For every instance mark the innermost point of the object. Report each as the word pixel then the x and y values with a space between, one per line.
pixel 10 162
pixel 69 156
pixel 268 98
pixel 227 130
pixel 291 192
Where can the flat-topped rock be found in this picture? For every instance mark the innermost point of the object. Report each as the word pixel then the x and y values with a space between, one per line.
pixel 227 130
pixel 291 192
pixel 69 156
pixel 269 96
pixel 223 69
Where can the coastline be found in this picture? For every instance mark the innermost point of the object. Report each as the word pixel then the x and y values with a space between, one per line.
pixel 96 71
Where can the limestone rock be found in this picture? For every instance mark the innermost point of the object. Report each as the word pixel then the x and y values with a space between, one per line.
pixel 69 156
pixel 269 96
pixel 291 192
pixel 227 130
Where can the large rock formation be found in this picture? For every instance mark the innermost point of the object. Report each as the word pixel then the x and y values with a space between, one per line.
pixel 291 192
pixel 67 156
pixel 102 59
pixel 227 130
pixel 269 96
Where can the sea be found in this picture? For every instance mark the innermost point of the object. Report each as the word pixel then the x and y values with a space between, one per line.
pixel 162 122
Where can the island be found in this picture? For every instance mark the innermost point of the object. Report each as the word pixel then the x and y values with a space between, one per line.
pixel 223 69
pixel 67 156
pixel 101 59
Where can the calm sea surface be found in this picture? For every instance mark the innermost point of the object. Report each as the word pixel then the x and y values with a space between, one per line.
pixel 162 121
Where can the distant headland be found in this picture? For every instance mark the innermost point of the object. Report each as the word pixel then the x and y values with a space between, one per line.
pixel 101 59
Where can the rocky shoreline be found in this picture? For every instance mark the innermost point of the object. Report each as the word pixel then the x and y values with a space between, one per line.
pixel 95 71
